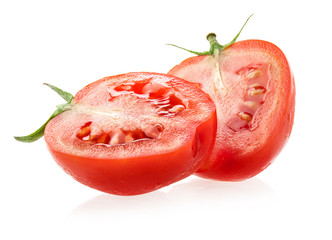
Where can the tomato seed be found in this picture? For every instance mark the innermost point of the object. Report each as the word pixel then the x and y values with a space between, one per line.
pixel 245 116
pixel 257 90
pixel 254 74
pixel 176 109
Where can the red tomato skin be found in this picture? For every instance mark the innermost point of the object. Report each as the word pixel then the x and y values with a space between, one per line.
pixel 229 166
pixel 139 175
pixel 226 164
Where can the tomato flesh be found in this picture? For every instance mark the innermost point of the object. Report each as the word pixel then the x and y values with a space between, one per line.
pixel 133 133
pixel 253 88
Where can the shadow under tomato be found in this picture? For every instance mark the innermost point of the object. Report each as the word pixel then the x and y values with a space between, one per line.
pixel 191 193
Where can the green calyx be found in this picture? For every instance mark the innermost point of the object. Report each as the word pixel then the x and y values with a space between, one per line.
pixel 60 108
pixel 215 47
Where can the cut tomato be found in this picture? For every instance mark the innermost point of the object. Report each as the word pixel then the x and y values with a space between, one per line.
pixel 253 88
pixel 133 133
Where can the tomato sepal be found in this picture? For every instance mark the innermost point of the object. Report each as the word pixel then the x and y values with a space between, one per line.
pixel 215 47
pixel 60 108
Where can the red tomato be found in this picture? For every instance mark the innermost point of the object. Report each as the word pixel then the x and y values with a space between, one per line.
pixel 133 133
pixel 253 88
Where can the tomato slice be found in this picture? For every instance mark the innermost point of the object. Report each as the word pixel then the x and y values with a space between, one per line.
pixel 253 88
pixel 133 133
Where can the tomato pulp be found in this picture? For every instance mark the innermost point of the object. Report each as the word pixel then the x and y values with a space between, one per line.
pixel 253 88
pixel 133 133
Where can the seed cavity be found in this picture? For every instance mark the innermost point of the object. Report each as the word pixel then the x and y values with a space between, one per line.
pixel 247 70
pixel 153 131
pixel 166 100
pixel 104 138
pixel 257 78
pixel 85 131
pixel 119 135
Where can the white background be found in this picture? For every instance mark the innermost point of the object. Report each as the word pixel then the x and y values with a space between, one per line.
pixel 72 43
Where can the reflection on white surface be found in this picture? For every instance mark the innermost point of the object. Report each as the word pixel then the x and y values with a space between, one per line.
pixel 192 193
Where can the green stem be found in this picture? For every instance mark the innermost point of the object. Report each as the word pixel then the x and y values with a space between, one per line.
pixel 60 108
pixel 215 47
pixel 39 132
pixel 238 34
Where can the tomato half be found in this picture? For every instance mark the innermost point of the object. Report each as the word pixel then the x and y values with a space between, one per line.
pixel 133 133
pixel 253 88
